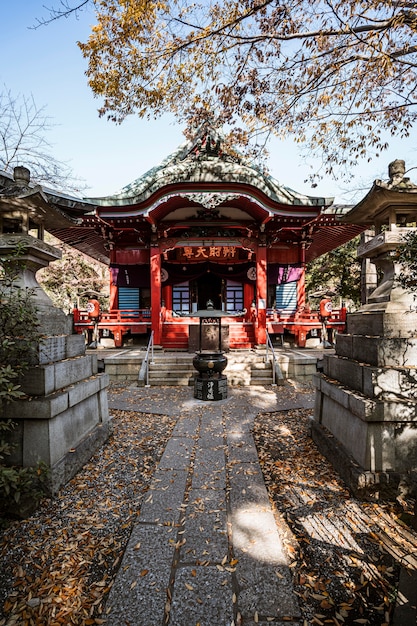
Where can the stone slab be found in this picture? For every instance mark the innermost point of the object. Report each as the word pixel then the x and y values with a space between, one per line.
pixel 205 528
pixel 247 487
pixel 376 445
pixel 74 370
pixel 211 440
pixel 382 324
pixel 209 470
pixel 390 383
pixel 60 347
pixel 64 432
pixel 84 389
pixel 186 426
pixel 344 370
pixel 75 346
pixel 49 440
pixel 42 408
pixel 202 595
pixel 385 383
pixel 276 600
pixel 39 381
pixel 378 351
pixel 241 447
pixel 163 503
pixel 52 349
pixel 136 596
pixel 75 458
pixel 177 453
pixel 361 482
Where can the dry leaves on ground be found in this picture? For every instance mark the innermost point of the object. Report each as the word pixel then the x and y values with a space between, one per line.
pixel 57 566
pixel 345 552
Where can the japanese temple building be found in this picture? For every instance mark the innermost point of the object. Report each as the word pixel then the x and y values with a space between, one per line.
pixel 204 225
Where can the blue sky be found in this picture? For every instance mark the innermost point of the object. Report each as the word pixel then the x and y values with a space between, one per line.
pixel 47 64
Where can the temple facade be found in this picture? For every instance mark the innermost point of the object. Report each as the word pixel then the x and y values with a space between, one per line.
pixel 203 226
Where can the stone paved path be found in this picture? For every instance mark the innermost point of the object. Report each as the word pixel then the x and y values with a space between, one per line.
pixel 207 549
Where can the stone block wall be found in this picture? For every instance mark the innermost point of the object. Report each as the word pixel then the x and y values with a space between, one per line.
pixel 366 401
pixel 65 417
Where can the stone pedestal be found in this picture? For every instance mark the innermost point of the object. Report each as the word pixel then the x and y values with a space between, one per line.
pixel 66 417
pixel 365 415
pixel 210 388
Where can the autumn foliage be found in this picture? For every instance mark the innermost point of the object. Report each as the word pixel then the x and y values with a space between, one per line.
pixel 337 75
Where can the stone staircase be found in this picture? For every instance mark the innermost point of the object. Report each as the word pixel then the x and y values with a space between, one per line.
pixel 245 367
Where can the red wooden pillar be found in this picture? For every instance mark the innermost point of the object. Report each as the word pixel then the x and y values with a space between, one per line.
pixel 301 293
pixel 167 296
pixel 114 291
pixel 261 294
pixel 248 297
pixel 156 294
pixel 114 297
pixel 301 285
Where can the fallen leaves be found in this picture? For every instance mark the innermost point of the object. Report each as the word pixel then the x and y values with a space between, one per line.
pixel 58 566
pixel 342 550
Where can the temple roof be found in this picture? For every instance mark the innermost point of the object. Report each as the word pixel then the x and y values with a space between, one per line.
pixel 203 176
pixel 206 159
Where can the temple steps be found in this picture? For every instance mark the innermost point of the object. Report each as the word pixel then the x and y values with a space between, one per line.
pixel 245 367
pixel 241 336
pixel 175 336
pixel 242 369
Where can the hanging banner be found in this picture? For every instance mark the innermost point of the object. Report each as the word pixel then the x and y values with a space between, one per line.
pixel 130 275
pixel 279 274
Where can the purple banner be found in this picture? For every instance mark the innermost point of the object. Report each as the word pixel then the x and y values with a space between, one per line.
pixel 278 274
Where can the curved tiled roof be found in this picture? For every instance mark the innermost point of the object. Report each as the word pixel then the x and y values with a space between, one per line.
pixel 204 160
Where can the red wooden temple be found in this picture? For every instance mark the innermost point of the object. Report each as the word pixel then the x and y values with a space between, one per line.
pixel 204 225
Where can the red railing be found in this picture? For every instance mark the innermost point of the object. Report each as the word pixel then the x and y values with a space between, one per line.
pixel 118 322
pixel 138 321
pixel 300 323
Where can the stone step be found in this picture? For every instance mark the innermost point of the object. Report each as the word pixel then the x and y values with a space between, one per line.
pixel 242 367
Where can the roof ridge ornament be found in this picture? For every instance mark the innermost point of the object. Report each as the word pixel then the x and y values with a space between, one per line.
pixel 209 200
pixel 397 179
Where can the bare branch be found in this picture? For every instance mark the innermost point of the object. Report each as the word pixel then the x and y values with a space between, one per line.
pixel 65 11
pixel 23 129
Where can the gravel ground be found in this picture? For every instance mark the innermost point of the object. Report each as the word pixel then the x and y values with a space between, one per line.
pixel 57 566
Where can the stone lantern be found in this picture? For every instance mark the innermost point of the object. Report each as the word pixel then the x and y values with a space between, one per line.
pixel 365 417
pixel 23 212
pixel 65 417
